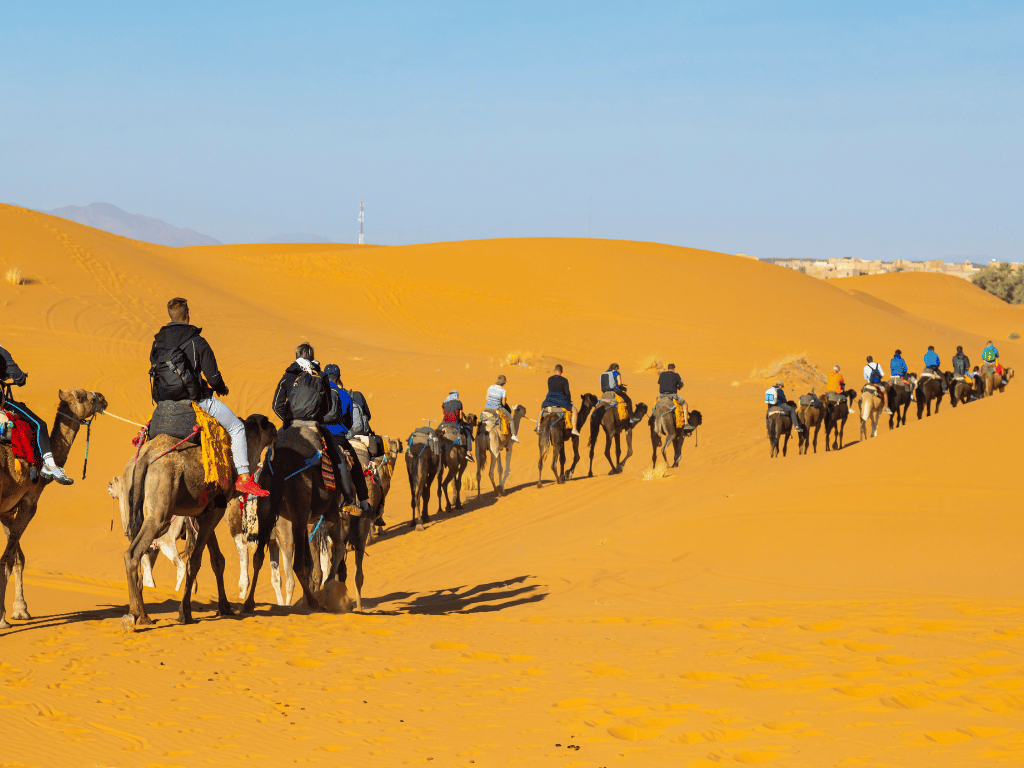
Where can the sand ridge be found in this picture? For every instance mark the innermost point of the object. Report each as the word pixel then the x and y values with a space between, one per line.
pixel 852 608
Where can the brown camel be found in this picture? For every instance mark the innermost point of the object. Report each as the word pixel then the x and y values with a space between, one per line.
pixel 929 389
pixel 168 480
pixel 664 431
pixel 870 406
pixel 961 390
pixel 991 381
pixel 607 418
pixel 812 415
pixel 455 448
pixel 780 427
pixel 490 443
pixel 553 430
pixel 899 395
pixel 299 504
pixel 837 411
pixel 19 496
pixel 422 459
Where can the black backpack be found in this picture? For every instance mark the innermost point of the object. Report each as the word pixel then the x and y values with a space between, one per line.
pixel 876 374
pixel 172 377
pixel 306 396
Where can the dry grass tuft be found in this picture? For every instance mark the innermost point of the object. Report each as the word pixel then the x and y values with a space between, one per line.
pixel 655 473
pixel 651 363
pixel 16 277
pixel 469 480
pixel 521 359
pixel 787 366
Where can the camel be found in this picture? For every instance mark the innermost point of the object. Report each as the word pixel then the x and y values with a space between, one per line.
pixel 166 480
pixel 490 443
pixel 608 419
pixel 166 544
pixel 19 496
pixel 780 425
pixel 665 433
pixel 991 380
pixel 837 411
pixel 552 432
pixel 454 459
pixel 961 390
pixel 299 504
pixel 813 416
pixel 899 396
pixel 929 388
pixel 422 459
pixel 870 406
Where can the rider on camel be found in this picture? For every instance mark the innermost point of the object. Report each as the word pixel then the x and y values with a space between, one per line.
pixel 9 370
pixel 497 400
pixel 932 363
pixel 873 375
pixel 611 381
pixel 559 396
pixel 775 397
pixel 836 383
pixel 200 383
pixel 451 407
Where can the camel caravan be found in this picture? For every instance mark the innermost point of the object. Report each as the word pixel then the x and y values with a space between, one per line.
pixel 313 490
pixel 878 396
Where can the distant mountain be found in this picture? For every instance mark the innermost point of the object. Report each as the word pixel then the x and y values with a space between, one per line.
pixel 110 218
pixel 295 238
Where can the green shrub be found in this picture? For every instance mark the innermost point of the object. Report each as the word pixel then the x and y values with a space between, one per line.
pixel 1002 280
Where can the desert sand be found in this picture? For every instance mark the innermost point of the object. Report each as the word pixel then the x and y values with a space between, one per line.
pixel 859 607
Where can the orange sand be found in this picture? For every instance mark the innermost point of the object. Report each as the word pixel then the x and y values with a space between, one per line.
pixel 853 608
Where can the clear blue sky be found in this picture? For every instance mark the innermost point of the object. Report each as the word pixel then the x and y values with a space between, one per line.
pixel 782 129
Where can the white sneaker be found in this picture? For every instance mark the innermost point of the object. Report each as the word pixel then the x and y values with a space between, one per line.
pixel 51 471
pixel 888 411
pixel 576 433
pixel 515 439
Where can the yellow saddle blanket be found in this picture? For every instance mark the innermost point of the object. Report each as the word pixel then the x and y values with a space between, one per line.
pixel 216 446
pixel 606 398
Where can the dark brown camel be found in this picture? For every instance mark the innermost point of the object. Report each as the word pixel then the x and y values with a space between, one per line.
pixel 168 480
pixel 607 418
pixel 837 411
pixel 665 433
pixel 19 496
pixel 299 498
pixel 961 390
pixel 899 396
pixel 929 389
pixel 779 426
pixel 455 448
pixel 422 458
pixel 553 431
pixel 813 417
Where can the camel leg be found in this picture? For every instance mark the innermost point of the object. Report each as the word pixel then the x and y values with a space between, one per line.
pixel 13 561
pixel 629 449
pixel 508 468
pixel 442 486
pixel 608 450
pixel 206 521
pixel 817 428
pixel 495 459
pixel 260 550
pixel 148 561
pixel 302 564
pixel 217 562
pixel 678 444
pixel 242 547
pixel 275 570
pixel 458 484
pixel 132 556
pixel 544 442
pixel 358 534
pixel 20 608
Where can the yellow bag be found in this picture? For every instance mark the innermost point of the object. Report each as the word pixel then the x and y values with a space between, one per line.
pixel 680 416
pixel 216 447
pixel 623 411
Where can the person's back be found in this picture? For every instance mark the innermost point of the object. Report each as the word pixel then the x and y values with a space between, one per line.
pixel 497 400
pixel 990 354
pixel 835 383
pixel 303 394
pixel 559 396
pixel 775 397
pixel 961 363
pixel 342 421
pixel 669 382
pixel 897 366
pixel 932 363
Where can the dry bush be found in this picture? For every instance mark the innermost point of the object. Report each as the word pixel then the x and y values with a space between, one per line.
pixel 655 473
pixel 516 358
pixel 469 480
pixel 788 366
pixel 16 277
pixel 651 363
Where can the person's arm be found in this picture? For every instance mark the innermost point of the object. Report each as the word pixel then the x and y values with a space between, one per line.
pixel 205 362
pixel 280 402
pixel 11 369
pixel 565 389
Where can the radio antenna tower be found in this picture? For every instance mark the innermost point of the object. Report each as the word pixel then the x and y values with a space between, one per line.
pixel 362 205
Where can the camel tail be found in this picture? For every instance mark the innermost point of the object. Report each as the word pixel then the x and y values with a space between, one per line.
pixel 318 542
pixel 190 538
pixel 136 498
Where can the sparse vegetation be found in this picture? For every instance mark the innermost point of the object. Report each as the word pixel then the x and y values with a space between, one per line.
pixel 655 473
pixel 16 277
pixel 1002 280
pixel 651 363
pixel 1014 336
pixel 788 366
pixel 517 358
pixel 469 481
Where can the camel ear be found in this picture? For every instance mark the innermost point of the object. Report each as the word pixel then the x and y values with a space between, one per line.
pixel 60 394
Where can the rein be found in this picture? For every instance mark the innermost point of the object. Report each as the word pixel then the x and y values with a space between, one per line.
pixel 88 434
pixel 195 431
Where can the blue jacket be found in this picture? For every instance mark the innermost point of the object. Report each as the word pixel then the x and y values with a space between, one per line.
pixel 897 366
pixel 931 359
pixel 344 423
pixel 985 355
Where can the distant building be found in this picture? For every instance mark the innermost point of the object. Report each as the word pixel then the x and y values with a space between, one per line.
pixel 843 266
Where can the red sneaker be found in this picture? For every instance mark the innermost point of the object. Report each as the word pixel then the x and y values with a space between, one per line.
pixel 249 486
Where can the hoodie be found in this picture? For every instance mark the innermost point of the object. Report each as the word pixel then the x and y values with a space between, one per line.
pixel 10 370
pixel 328 408
pixel 197 352
pixel 961 364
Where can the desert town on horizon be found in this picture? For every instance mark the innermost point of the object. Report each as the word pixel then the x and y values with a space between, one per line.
pixel 847 266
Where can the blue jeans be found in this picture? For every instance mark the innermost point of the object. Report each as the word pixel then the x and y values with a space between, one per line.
pixel 235 429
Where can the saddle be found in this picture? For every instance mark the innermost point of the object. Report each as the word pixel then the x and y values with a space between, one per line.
pixel 609 398
pixel 422 438
pixel 18 434
pixel 666 403
pixel 491 418
pixel 873 389
pixel 776 410
pixel 553 409
pixel 833 398
pixel 928 373
pixel 174 418
pixel 185 420
pixel 450 432
pixel 810 399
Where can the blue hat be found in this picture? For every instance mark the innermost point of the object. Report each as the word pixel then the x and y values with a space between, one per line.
pixel 332 370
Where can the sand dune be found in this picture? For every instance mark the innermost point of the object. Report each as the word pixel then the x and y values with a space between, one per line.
pixel 856 607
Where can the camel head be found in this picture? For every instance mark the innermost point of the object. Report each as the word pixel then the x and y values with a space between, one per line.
pixel 588 401
pixel 395 447
pixel 114 487
pixel 81 403
pixel 471 419
pixel 1009 373
pixel 695 419
pixel 640 411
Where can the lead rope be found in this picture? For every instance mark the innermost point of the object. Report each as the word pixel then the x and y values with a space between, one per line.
pixel 88 434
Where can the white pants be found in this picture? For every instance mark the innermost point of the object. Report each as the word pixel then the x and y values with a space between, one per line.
pixel 235 428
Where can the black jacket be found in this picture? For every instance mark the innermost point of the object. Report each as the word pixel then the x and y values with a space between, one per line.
pixel 197 351
pixel 10 370
pixel 961 364
pixel 669 382
pixel 328 410
pixel 358 399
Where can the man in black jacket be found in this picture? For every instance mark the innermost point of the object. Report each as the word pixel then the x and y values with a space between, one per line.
pixel 961 363
pixel 9 371
pixel 202 380
pixel 669 383
pixel 321 408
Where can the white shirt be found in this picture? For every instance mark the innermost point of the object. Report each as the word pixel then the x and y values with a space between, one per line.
pixel 872 367
pixel 495 394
